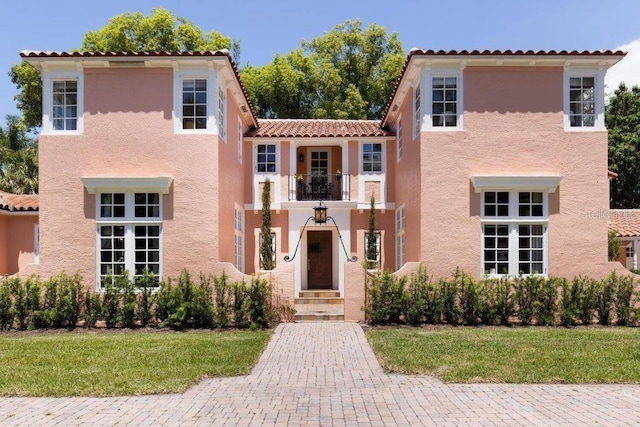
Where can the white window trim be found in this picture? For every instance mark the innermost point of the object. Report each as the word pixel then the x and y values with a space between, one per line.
pixel 221 114
pixel 598 75
pixel 399 236
pixel 239 217
pixel 399 138
pixel 179 75
pixel 48 77
pixel 36 244
pixel 417 111
pixel 426 97
pixel 240 140
pixel 258 177
pixel 129 221
pixel 512 221
pixel 364 177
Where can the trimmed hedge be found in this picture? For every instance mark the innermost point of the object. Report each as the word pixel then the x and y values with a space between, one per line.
pixel 525 300
pixel 209 302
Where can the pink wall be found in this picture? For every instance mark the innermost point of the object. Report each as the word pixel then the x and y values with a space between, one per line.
pixel 232 183
pixel 128 131
pixel 16 242
pixel 4 244
pixel 513 124
pixel 407 183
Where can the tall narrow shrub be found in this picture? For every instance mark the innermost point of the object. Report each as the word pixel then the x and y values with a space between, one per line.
pixel 372 244
pixel 266 244
pixel 623 300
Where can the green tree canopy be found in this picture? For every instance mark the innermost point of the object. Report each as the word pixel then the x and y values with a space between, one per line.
pixel 347 73
pixel 130 31
pixel 18 159
pixel 622 117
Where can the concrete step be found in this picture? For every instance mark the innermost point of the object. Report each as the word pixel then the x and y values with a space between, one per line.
pixel 319 294
pixel 318 300
pixel 319 308
pixel 319 317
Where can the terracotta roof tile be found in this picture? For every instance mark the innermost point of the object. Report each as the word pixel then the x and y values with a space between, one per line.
pixel 495 53
pixel 317 128
pixel 18 202
pixel 625 222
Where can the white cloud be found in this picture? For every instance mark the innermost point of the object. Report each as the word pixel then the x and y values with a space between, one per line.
pixel 627 70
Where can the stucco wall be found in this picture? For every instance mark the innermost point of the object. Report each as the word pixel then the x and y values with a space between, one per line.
pixel 16 242
pixel 128 131
pixel 513 124
pixel 4 244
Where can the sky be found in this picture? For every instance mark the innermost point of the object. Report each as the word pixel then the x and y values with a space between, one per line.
pixel 266 28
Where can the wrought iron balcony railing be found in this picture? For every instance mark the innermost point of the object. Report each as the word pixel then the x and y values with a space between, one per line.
pixel 319 187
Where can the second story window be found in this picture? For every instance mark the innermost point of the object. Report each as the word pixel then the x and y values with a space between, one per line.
pixel 444 102
pixel 582 101
pixel 194 104
pixel 371 157
pixel 399 138
pixel 266 158
pixel 417 113
pixel 65 105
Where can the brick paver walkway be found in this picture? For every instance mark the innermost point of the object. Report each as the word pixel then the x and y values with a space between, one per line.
pixel 326 374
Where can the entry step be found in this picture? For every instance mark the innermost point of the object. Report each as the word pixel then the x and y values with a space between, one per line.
pixel 319 317
pixel 319 294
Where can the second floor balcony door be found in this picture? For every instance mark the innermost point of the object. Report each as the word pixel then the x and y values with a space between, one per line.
pixel 320 163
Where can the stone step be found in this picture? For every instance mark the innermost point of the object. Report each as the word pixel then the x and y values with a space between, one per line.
pixel 318 300
pixel 319 317
pixel 319 294
pixel 319 308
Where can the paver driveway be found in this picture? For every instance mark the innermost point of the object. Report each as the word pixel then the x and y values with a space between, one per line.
pixel 326 374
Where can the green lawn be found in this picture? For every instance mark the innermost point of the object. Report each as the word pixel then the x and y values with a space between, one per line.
pixel 512 355
pixel 99 363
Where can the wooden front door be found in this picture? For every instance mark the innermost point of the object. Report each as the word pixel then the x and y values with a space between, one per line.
pixel 319 260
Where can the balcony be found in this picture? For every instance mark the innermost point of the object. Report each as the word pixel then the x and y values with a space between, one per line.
pixel 318 187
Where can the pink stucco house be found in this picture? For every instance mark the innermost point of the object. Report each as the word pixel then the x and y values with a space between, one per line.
pixel 489 161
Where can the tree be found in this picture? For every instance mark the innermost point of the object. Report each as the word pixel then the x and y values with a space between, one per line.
pixel 18 159
pixel 347 73
pixel 266 242
pixel 614 245
pixel 130 31
pixel 622 116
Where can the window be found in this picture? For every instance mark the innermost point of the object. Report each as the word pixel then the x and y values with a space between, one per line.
pixel 194 104
pixel 129 234
pixel 62 101
pixel 222 111
pixel 514 228
pixel 240 141
pixel 444 102
pixel 65 105
pixel 582 101
pixel 238 226
pixel 400 233
pixel 36 244
pixel 371 157
pixel 399 138
pixel 629 251
pixel 416 109
pixel 266 158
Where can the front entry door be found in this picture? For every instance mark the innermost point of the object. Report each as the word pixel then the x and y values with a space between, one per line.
pixel 319 260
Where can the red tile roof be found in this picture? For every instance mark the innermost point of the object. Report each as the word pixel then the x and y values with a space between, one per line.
pixel 317 128
pixel 493 53
pixel 625 222
pixel 18 202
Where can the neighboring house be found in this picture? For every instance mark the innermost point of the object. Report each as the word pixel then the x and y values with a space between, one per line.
pixel 626 224
pixel 19 245
pixel 487 161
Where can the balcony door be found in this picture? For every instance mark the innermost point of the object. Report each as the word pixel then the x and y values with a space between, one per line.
pixel 319 161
